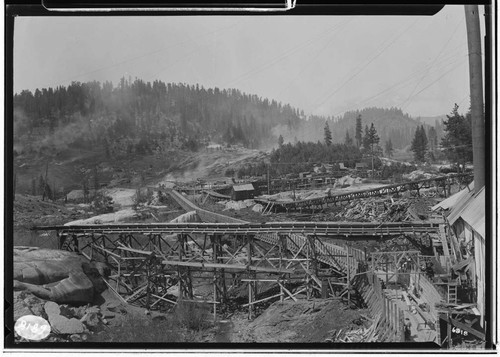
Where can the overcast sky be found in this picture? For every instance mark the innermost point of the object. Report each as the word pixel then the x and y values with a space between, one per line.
pixel 321 64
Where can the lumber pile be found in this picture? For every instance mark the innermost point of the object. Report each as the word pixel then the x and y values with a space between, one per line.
pixel 379 209
pixel 385 209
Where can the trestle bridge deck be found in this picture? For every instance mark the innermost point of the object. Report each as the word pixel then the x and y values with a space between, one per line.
pixel 442 183
pixel 334 230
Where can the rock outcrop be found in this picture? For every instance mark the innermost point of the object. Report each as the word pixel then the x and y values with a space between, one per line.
pixel 55 275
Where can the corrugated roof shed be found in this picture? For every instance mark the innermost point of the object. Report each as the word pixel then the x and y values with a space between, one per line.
pixel 246 187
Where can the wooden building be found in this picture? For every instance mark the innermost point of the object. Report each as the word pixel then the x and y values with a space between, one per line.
pixel 242 192
pixel 361 166
pixel 465 213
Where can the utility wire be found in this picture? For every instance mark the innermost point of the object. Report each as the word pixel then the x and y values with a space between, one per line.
pixel 402 82
pixel 365 65
pixel 441 76
pixel 281 57
pixel 433 61
pixel 316 56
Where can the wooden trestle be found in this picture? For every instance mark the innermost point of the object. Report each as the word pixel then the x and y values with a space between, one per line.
pixel 442 182
pixel 155 270
pixel 157 265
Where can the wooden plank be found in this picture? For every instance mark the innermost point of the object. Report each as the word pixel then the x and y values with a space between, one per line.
pixel 106 251
pixel 144 252
pixel 288 292
pixel 115 292
pixel 227 266
pixel 162 298
pixel 200 301
pixel 312 276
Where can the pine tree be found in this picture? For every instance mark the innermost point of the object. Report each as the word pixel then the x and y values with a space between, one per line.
pixel 328 135
pixel 366 140
pixel 457 142
pixel 388 148
pixel 419 144
pixel 348 140
pixel 432 137
pixel 281 141
pixel 371 139
pixel 359 129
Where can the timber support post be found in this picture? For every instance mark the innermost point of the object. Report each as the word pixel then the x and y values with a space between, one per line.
pixel 251 282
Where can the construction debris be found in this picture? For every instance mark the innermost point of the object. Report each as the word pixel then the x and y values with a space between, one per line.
pixel 418 175
pixel 383 209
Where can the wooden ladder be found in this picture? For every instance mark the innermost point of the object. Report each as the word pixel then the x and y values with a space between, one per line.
pixel 452 293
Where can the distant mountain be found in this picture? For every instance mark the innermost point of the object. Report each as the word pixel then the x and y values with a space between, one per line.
pixel 390 123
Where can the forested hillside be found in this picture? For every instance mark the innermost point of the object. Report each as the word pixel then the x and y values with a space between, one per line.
pixel 390 123
pixel 140 117
pixel 135 116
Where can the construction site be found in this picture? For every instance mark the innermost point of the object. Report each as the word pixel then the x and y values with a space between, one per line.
pixel 191 205
pixel 407 257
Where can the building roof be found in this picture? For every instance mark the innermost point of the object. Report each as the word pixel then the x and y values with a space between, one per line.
pixel 451 201
pixel 474 213
pixel 245 187
pixel 470 207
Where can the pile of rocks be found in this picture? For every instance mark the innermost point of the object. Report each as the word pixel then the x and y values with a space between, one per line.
pixel 69 323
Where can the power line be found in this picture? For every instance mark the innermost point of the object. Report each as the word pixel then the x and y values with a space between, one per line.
pixel 316 56
pixel 402 82
pixel 434 60
pixel 437 79
pixel 366 65
pixel 281 57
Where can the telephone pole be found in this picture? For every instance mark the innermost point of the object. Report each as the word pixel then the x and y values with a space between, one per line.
pixel 476 93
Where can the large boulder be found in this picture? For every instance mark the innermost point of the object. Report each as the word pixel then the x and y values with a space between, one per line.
pixel 55 275
pixel 44 266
